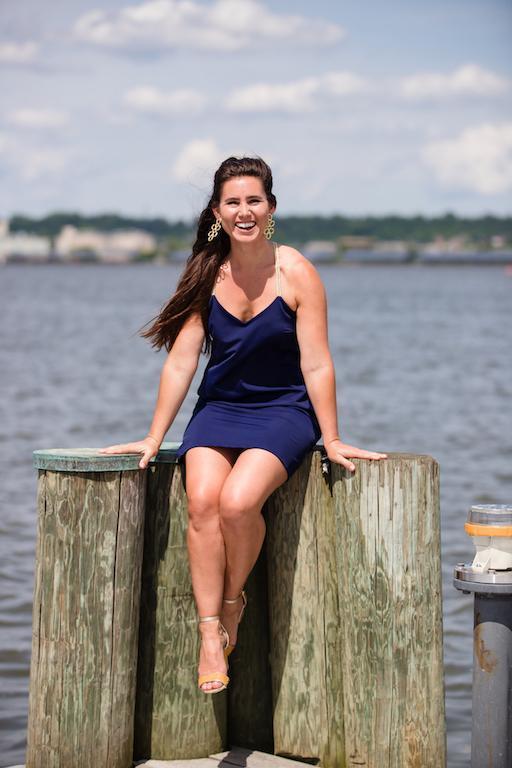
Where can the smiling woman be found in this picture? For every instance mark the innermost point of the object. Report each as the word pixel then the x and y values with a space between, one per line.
pixel 267 395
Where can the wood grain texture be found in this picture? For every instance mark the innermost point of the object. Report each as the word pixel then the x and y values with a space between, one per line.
pixel 389 571
pixel 305 639
pixel 173 719
pixel 250 687
pixel 85 619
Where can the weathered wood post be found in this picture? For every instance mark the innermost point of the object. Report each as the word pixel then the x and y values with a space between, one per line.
pixel 339 656
pixel 389 577
pixel 85 611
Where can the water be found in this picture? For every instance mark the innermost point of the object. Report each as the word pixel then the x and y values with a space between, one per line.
pixel 422 356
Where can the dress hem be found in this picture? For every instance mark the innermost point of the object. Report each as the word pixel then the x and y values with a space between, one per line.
pixel 289 471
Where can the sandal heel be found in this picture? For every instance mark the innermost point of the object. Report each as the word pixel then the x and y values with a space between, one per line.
pixel 229 647
pixel 212 677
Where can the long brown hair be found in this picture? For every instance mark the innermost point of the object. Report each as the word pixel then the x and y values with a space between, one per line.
pixel 197 279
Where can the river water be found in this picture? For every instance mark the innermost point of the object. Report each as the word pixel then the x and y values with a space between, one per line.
pixel 423 365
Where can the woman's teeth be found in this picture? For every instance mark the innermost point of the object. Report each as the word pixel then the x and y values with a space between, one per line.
pixel 249 225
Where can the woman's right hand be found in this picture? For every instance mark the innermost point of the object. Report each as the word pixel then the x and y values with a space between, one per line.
pixel 149 447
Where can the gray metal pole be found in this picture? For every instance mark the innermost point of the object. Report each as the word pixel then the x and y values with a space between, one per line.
pixel 491 737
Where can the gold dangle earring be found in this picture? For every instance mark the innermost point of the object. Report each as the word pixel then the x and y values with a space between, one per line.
pixel 214 230
pixel 270 228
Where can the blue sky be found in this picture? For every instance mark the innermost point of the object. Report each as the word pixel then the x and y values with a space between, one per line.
pixel 359 107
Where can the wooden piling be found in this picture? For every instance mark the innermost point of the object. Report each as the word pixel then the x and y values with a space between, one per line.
pixel 85 619
pixel 389 576
pixel 339 655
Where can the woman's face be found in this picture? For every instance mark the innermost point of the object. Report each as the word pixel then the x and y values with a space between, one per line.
pixel 243 208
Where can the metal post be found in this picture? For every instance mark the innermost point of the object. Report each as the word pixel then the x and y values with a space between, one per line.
pixel 491 738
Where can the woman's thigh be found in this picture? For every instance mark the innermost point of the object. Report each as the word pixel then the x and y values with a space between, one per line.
pixel 255 475
pixel 206 470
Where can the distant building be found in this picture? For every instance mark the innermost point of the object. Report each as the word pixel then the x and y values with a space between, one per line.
pixel 442 245
pixel 113 247
pixel 21 246
pixel 356 242
pixel 498 241
pixel 392 246
pixel 319 250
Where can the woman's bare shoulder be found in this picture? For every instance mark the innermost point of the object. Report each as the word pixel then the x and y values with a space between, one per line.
pixel 299 273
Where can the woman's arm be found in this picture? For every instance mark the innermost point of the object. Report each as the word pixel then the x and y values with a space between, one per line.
pixel 315 358
pixel 177 374
pixel 176 377
pixel 317 365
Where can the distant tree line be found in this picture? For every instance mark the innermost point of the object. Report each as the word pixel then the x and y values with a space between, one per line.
pixel 51 225
pixel 292 229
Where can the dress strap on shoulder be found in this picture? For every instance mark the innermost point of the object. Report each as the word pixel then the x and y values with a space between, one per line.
pixel 278 269
pixel 215 282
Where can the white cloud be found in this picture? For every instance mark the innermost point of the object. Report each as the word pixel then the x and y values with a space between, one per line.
pixel 468 80
pixel 17 53
pixel 223 25
pixel 479 159
pixel 197 161
pixel 304 95
pixel 38 164
pixel 145 98
pixel 37 118
pixel 33 163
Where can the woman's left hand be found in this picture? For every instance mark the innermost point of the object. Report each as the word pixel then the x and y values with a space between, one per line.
pixel 341 453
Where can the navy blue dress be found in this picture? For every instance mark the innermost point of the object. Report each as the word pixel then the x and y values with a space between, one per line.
pixel 253 394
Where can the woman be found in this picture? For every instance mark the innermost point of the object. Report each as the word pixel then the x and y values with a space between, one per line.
pixel 267 394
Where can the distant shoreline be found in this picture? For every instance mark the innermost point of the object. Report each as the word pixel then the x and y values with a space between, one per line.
pixel 442 260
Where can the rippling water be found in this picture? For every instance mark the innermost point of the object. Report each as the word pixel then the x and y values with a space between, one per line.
pixel 422 356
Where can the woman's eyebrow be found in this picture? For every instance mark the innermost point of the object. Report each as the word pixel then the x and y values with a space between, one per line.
pixel 249 197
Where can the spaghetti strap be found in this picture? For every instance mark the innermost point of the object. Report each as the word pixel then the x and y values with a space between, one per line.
pixel 278 270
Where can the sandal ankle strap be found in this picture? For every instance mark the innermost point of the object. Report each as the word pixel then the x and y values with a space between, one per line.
pixel 235 600
pixel 208 618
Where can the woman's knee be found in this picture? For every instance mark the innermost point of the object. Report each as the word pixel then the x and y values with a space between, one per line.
pixel 235 506
pixel 203 509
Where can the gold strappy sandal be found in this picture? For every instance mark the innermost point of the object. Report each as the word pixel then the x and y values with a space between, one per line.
pixel 215 677
pixel 230 648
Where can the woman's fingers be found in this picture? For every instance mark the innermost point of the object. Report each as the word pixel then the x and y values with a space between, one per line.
pixel 345 461
pixel 371 455
pixel 146 457
pixel 122 448
pixel 342 453
pixel 360 453
pixel 147 449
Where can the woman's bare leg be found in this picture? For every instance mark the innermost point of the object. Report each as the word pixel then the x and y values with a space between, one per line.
pixel 255 475
pixel 206 471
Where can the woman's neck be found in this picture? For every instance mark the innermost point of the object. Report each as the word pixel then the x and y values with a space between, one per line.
pixel 249 256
